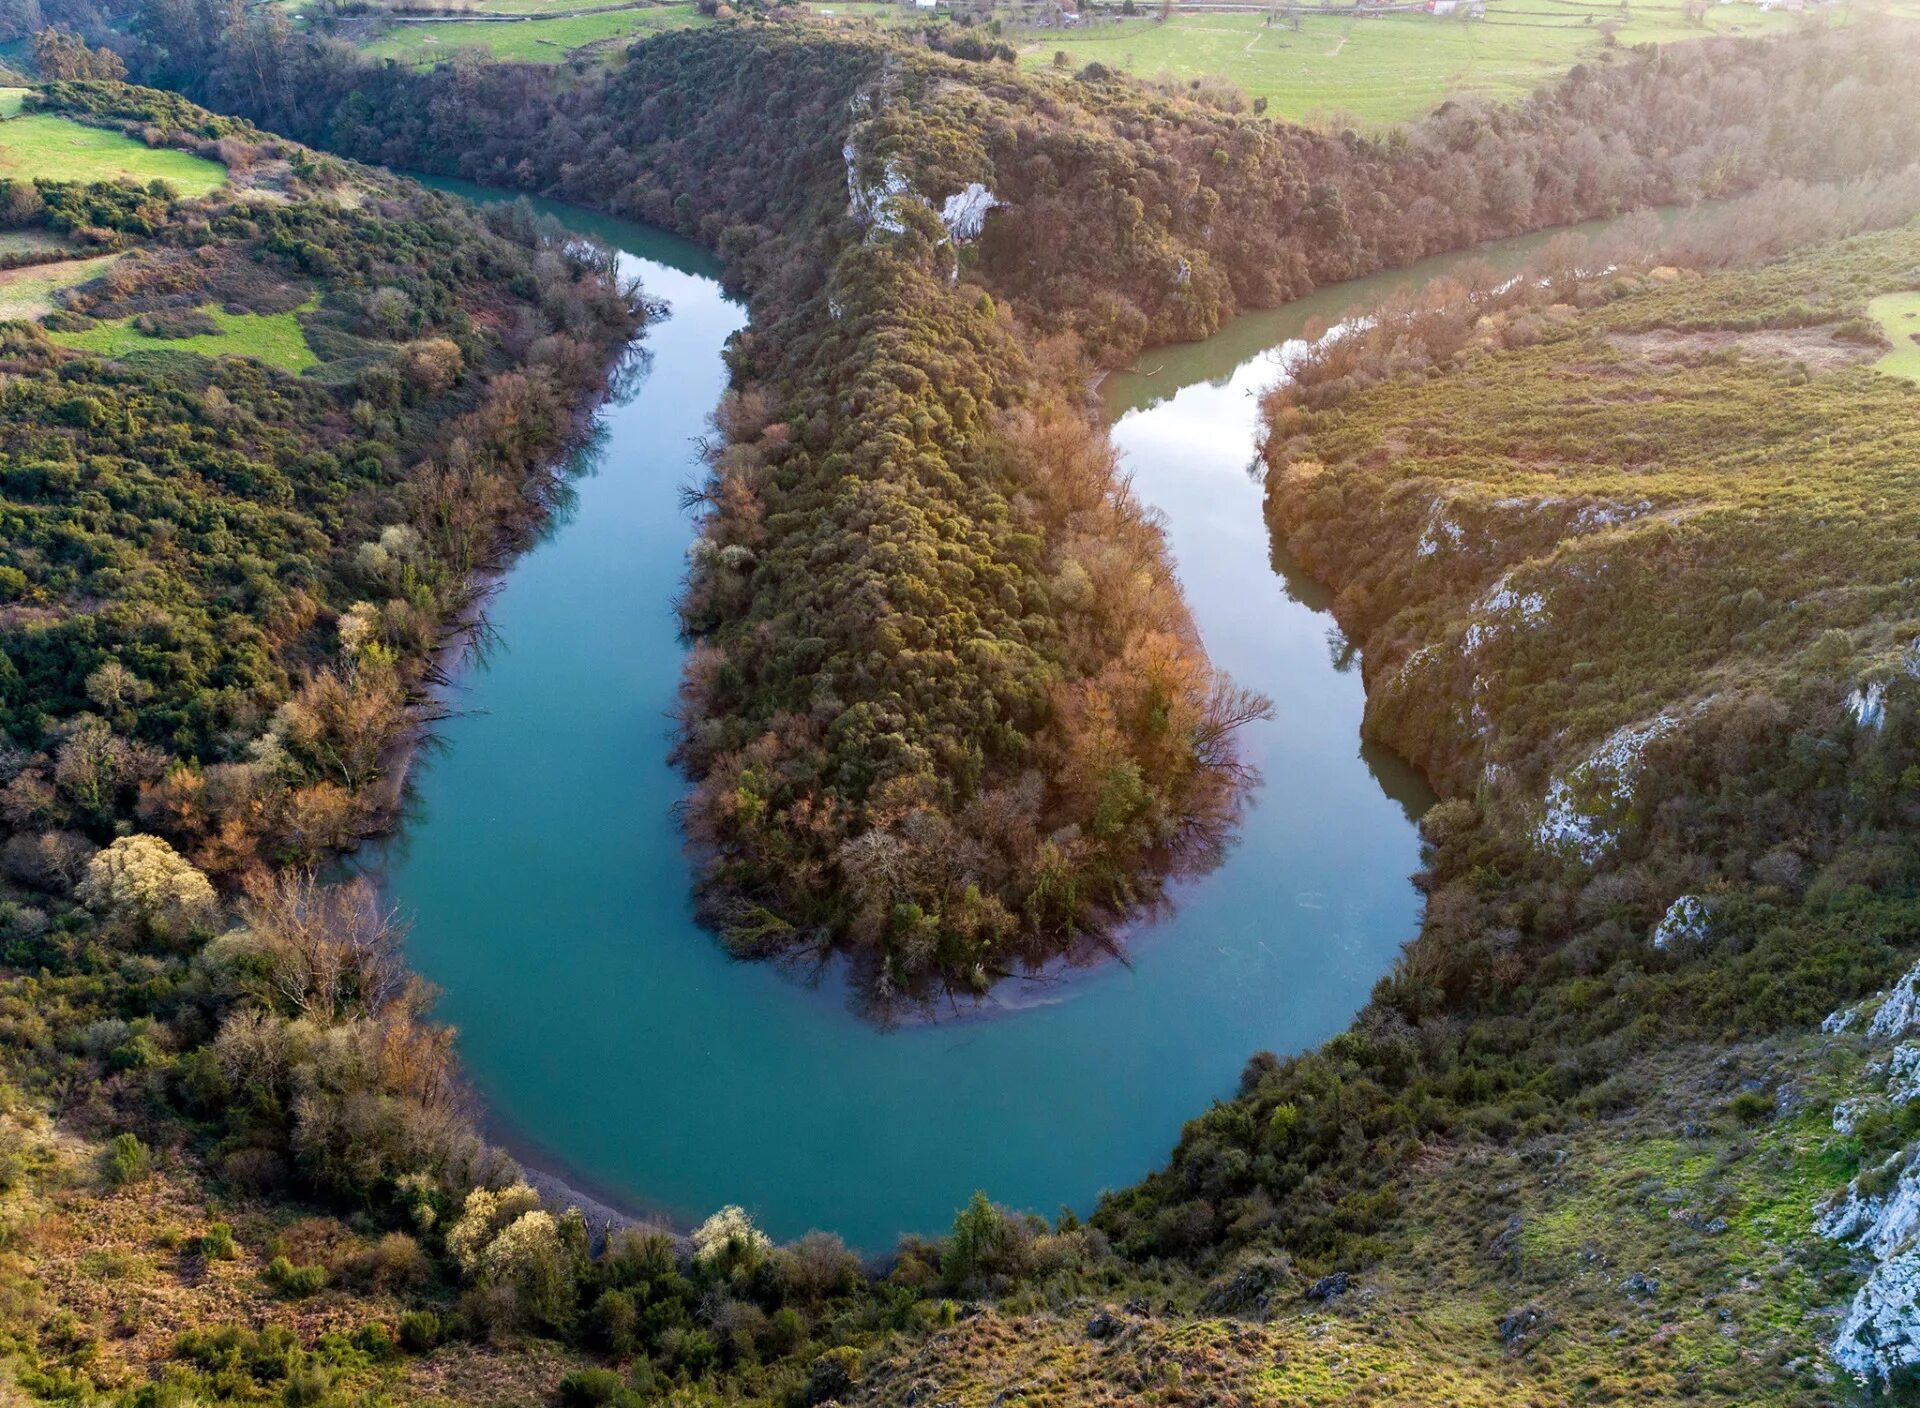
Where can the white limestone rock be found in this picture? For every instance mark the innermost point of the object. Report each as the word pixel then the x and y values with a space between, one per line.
pixel 1441 531
pixel 1579 803
pixel 1849 1112
pixel 965 212
pixel 1899 1013
pixel 1867 706
pixel 1684 922
pixel 1903 1074
pixel 1881 1332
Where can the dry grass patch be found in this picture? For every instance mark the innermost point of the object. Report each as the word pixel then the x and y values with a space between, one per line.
pixel 28 293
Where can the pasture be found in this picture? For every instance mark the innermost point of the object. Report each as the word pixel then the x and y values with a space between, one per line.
pixel 1373 71
pixel 57 149
pixel 540 41
pixel 1899 317
pixel 274 338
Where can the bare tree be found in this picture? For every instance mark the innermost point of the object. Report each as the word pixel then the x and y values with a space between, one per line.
pixel 331 950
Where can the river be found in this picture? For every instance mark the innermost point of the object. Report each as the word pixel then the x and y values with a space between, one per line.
pixel 615 1044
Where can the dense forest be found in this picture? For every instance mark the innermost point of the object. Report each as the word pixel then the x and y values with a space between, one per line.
pixel 1016 737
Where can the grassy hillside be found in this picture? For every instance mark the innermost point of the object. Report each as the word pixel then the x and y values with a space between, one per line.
pixel 1620 558
pixel 41 145
pixel 1898 315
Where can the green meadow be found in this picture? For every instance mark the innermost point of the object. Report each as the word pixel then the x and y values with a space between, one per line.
pixel 38 242
pixel 527 41
pixel 28 293
pixel 273 338
pixel 10 101
pixel 1899 317
pixel 55 148
pixel 1381 69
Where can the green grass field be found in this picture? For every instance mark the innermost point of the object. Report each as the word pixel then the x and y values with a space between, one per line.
pixel 1899 317
pixel 527 41
pixel 28 293
pixel 54 147
pixel 1384 69
pixel 10 101
pixel 30 242
pixel 273 338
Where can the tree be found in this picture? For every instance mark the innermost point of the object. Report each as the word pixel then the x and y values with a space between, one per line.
pixel 332 950
pixel 59 56
pixel 144 880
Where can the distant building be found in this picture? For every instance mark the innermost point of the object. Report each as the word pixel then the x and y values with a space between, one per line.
pixel 1442 7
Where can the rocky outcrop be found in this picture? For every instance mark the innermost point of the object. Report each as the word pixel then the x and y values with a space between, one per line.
pixel 1879 1213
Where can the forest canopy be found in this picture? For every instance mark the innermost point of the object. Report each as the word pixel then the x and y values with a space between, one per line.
pixel 1016 737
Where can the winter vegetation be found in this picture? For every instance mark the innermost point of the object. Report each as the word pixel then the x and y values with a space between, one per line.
pixel 946 834
pixel 1626 545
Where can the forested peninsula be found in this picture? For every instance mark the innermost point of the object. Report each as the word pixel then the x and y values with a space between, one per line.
pixel 1013 737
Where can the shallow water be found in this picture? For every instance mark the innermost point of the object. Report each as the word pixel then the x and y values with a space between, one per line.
pixel 613 1041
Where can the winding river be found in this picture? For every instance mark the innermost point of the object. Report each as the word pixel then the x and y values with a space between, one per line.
pixel 616 1045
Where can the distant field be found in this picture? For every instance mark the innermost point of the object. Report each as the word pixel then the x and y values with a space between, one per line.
pixel 10 101
pixel 860 10
pixel 273 338
pixel 28 293
pixel 527 41
pixel 54 147
pixel 1899 317
pixel 1383 69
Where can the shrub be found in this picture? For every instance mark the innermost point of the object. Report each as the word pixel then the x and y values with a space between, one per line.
pixel 127 1160
pixel 176 322
pixel 728 1235
pixel 616 1322
pixel 295 1282
pixel 833 1375
pixel 1751 1106
pixel 376 1341
pixel 394 1260
pixel 419 1331
pixel 217 1243
pixel 590 1388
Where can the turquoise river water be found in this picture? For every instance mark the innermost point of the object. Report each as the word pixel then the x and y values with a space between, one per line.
pixel 615 1044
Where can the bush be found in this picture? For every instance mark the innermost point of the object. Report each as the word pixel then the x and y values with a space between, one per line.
pixel 1751 1106
pixel 144 881
pixel 127 1160
pixel 590 1388
pixel 833 1375
pixel 419 1331
pixel 376 1341
pixel 295 1282
pixel 217 1243
pixel 176 322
